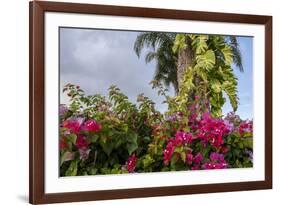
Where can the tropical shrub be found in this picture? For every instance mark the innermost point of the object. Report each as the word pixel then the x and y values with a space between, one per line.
pixel 111 135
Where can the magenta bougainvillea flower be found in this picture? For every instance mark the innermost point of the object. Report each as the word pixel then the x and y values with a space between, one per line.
pixel 198 158
pixel 182 137
pixel 212 130
pixel 245 127
pixel 81 142
pixel 216 162
pixel 73 124
pixel 168 152
pixel 131 163
pixel 189 158
pixel 91 126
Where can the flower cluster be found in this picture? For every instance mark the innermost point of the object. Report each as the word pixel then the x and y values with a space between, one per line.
pixel 78 126
pixel 207 131
pixel 181 138
pixel 212 130
pixel 196 162
pixel 131 163
pixel 91 126
pixel 100 135
pixel 245 127
pixel 73 125
pixel 217 161
pixel 168 152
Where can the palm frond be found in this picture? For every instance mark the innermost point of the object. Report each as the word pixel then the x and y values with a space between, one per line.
pixel 237 56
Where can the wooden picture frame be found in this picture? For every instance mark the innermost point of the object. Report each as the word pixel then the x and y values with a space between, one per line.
pixel 38 9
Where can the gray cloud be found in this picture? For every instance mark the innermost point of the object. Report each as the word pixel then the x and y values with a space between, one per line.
pixel 96 59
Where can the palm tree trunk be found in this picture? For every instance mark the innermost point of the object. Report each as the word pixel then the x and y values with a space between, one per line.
pixel 185 59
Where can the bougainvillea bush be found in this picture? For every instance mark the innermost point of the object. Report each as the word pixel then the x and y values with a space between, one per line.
pixel 111 135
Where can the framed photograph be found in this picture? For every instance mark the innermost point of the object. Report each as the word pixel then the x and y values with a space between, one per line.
pixel 139 102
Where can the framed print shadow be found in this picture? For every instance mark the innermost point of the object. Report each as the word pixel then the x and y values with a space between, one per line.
pixel 132 102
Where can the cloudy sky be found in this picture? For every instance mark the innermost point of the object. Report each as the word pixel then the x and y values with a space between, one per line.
pixel 96 59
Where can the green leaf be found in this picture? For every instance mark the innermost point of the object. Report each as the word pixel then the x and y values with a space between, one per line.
pixel 93 171
pixel 248 143
pixel 228 55
pixel 108 147
pixel 206 60
pixel 146 139
pixel 132 143
pixel 183 156
pixel 72 138
pixel 216 86
pixel 229 86
pixel 174 161
pixel 72 169
pixel 94 138
pixel 179 42
pixel 147 161
pixel 66 156
pixel 199 43
pixel 240 145
pixel 105 171
pixel 118 143
pixel 178 149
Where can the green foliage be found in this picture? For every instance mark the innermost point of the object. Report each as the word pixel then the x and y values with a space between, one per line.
pixel 237 157
pixel 72 170
pixel 126 129
pixel 139 130
pixel 207 60
pixel 199 43
pixel 179 42
pixel 211 74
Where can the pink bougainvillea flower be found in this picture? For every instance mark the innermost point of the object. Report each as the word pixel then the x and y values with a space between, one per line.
pixel 178 140
pixel 212 130
pixel 245 127
pixel 214 156
pixel 195 167
pixel 81 142
pixel 182 137
pixel 228 125
pixel 216 161
pixel 73 124
pixel 131 163
pixel 168 152
pixel 91 126
pixel 189 158
pixel 198 158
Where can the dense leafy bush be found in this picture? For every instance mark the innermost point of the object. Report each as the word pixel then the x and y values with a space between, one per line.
pixel 111 135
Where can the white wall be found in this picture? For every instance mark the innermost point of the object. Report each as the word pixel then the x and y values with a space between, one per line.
pixel 14 99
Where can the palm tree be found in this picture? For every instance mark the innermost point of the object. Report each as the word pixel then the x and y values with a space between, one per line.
pixel 192 62
pixel 160 45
